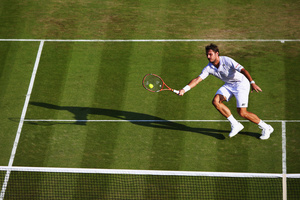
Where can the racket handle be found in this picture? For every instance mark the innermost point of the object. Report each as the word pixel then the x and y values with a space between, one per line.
pixel 175 91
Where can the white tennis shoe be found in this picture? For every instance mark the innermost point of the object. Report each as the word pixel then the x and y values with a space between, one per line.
pixel 235 129
pixel 266 132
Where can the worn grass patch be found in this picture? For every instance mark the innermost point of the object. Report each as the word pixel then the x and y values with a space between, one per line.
pixel 125 19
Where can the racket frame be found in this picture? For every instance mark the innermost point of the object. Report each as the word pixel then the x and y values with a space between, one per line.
pixel 162 87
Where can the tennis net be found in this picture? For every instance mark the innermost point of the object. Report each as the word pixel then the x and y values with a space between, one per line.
pixel 72 183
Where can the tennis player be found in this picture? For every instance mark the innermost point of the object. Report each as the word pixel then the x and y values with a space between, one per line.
pixel 237 83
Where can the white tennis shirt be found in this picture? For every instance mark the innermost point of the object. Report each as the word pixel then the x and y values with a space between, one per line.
pixel 228 71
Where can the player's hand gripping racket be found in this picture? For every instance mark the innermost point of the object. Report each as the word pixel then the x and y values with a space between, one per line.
pixel 154 83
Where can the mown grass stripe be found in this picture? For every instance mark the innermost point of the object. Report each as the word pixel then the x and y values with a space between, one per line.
pixel 80 74
pixel 18 135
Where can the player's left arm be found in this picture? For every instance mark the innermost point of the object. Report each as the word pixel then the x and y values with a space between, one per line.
pixel 253 85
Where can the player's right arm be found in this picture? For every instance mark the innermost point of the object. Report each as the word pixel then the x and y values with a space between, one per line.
pixel 190 85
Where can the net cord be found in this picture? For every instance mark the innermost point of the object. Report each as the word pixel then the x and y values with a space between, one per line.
pixel 146 172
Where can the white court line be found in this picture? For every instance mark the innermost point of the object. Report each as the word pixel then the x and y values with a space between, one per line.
pixel 284 183
pixel 151 40
pixel 16 142
pixel 142 172
pixel 283 127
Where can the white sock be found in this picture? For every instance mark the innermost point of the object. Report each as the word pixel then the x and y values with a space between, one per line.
pixel 232 120
pixel 263 124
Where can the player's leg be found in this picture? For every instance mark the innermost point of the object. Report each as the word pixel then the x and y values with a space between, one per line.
pixel 243 112
pixel 241 94
pixel 220 106
pixel 266 128
pixel 222 95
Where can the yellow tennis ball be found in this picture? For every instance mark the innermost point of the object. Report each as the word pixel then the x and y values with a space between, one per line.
pixel 151 85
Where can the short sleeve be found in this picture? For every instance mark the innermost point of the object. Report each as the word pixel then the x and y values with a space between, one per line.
pixel 236 65
pixel 204 73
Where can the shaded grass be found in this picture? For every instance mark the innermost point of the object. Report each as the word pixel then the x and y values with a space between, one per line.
pixel 291 106
pixel 293 150
pixel 17 60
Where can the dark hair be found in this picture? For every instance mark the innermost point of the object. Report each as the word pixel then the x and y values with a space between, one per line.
pixel 212 47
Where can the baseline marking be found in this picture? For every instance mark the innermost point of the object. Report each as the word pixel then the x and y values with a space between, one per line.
pixel 16 142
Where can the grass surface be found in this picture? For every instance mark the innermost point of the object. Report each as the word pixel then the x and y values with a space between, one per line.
pixel 156 19
pixel 113 80
pixel 102 81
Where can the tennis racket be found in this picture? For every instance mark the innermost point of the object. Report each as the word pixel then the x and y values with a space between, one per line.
pixel 154 83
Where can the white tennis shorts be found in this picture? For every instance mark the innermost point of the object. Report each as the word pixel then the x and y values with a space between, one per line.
pixel 238 89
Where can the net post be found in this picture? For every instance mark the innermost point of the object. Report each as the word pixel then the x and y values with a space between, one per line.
pixel 284 187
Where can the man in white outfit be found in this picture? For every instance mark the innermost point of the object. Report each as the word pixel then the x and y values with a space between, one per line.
pixel 237 83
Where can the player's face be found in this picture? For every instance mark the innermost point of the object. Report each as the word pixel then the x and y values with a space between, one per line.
pixel 212 56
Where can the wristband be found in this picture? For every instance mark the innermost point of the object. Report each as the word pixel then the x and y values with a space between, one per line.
pixel 252 82
pixel 186 88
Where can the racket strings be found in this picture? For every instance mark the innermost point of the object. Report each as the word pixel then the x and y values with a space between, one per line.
pixel 153 83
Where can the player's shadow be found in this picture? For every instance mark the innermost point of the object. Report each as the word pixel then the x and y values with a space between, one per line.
pixel 81 114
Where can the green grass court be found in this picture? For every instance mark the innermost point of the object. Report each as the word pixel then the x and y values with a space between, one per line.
pixel 80 85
